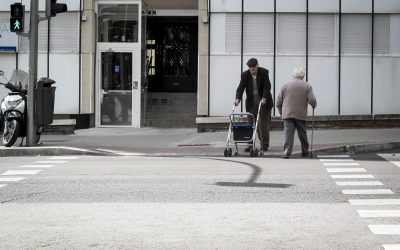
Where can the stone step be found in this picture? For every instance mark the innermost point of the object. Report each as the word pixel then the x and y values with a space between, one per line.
pixel 60 127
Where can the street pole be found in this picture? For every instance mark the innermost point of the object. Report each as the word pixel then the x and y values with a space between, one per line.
pixel 33 55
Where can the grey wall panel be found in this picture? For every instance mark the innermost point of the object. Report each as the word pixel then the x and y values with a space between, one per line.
pixel 355 86
pixel 324 78
pixel 259 5
pixel 386 85
pixel 395 34
pixel 356 6
pixel 291 5
pixel 217 36
pixel 226 5
pixel 321 6
pixel 224 79
pixel 387 6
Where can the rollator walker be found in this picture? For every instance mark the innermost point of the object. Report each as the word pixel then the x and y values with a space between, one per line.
pixel 243 130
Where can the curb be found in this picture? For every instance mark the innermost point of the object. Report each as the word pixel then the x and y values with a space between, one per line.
pixel 360 148
pixel 54 151
pixel 46 151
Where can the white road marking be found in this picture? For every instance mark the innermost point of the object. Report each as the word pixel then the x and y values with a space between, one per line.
pixel 374 202
pixel 63 158
pixel 123 153
pixel 336 160
pixel 37 166
pixel 333 156
pixel 391 247
pixel 3 185
pixel 359 183
pixel 393 158
pixel 367 191
pixel 378 213
pixel 11 179
pixel 50 162
pixel 345 170
pixel 353 176
pixel 21 172
pixel 342 164
pixel 385 229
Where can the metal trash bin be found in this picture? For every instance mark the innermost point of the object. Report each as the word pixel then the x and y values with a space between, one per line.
pixel 45 96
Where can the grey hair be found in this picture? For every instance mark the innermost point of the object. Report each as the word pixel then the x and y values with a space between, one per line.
pixel 299 73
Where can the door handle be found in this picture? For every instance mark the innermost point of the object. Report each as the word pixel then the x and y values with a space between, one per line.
pixel 135 85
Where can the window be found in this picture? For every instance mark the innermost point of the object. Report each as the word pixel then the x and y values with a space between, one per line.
pixel 356 34
pixel 291 33
pixel 382 34
pixel 258 33
pixel 233 31
pixel 321 37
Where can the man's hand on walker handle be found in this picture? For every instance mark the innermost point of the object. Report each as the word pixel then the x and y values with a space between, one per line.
pixel 263 101
pixel 236 102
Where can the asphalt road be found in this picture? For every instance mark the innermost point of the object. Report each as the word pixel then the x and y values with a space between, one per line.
pixel 199 203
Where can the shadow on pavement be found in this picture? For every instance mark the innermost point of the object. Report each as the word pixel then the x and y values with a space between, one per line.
pixel 252 180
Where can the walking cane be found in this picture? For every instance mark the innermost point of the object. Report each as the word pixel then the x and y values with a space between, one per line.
pixel 312 133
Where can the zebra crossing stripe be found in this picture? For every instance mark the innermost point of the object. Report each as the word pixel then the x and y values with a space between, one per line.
pixel 374 202
pixel 333 156
pixel 21 172
pixel 378 213
pixel 359 183
pixel 367 191
pixel 385 229
pixel 341 164
pixel 353 176
pixel 335 160
pixel 11 179
pixel 345 170
pixel 391 247
pixel 63 158
pixel 37 166
pixel 50 162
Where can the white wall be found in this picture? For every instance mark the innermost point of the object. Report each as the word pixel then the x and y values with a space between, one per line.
pixel 324 78
pixel 8 63
pixel 355 86
pixel 386 85
pixel 225 77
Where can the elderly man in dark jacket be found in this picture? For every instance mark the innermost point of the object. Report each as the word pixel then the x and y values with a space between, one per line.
pixel 258 89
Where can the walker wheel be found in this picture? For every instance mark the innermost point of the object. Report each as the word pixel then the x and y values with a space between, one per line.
pixel 226 152
pixel 255 152
pixel 229 152
pixel 251 153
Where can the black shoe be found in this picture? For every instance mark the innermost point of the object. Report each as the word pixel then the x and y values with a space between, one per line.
pixel 248 149
pixel 305 154
pixel 265 149
pixel 286 156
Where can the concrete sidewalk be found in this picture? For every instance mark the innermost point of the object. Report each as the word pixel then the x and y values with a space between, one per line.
pixel 156 141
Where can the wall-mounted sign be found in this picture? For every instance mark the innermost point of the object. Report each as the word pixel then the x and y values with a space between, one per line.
pixel 8 39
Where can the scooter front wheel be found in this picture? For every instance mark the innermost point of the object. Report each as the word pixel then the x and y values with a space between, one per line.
pixel 11 132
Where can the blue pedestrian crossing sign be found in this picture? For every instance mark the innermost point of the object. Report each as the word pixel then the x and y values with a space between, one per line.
pixel 16 24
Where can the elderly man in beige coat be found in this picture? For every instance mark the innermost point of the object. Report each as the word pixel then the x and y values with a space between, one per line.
pixel 292 105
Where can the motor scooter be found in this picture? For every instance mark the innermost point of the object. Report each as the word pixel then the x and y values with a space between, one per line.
pixel 13 109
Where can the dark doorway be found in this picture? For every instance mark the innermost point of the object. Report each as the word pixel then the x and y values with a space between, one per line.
pixel 171 52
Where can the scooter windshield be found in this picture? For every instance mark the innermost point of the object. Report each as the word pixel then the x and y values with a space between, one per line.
pixel 19 79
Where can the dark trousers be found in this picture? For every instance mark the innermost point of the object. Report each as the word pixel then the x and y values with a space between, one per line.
pixel 290 125
pixel 263 124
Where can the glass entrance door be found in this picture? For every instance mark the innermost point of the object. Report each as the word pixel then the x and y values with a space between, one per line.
pixel 116 88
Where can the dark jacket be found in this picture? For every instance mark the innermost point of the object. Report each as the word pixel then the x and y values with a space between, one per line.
pixel 263 84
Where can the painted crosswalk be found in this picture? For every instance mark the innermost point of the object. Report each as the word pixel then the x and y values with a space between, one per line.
pixel 385 229
pixel 341 164
pixel 391 247
pixel 378 213
pixel 11 179
pixel 21 172
pixel 346 170
pixel 367 191
pixel 37 166
pixel 353 176
pixel 50 162
pixel 359 183
pixel 333 156
pixel 374 202
pixel 63 157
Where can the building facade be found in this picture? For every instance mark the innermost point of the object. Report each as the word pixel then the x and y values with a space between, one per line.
pixel 164 63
